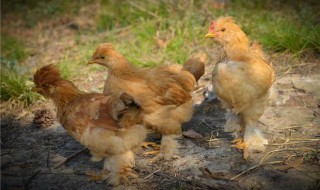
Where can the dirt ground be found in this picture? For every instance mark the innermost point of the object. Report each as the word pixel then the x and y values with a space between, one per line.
pixel 291 123
pixel 291 161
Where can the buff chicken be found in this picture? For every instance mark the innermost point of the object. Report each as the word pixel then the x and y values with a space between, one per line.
pixel 242 82
pixel 164 92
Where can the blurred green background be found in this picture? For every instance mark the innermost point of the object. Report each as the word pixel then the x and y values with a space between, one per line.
pixel 147 32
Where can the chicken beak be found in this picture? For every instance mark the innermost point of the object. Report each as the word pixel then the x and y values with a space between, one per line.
pixel 92 61
pixel 209 35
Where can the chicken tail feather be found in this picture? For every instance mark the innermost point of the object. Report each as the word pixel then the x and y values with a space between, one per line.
pixel 196 65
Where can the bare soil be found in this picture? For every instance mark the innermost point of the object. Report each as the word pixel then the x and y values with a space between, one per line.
pixel 206 160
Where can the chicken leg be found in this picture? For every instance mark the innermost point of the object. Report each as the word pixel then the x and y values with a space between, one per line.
pixel 168 148
pixel 115 167
pixel 241 145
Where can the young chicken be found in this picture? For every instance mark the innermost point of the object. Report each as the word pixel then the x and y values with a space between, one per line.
pixel 163 92
pixel 242 82
pixel 108 125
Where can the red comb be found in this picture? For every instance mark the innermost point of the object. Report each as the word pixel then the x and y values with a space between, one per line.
pixel 213 25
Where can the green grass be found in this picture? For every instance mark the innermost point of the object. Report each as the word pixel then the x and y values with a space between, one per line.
pixel 14 82
pixel 15 86
pixel 293 28
pixel 33 11
pixel 280 26
pixel 12 49
pixel 142 21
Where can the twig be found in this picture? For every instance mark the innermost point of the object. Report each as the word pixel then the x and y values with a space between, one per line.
pixel 295 90
pixel 296 142
pixel 217 139
pixel 302 139
pixel 196 183
pixel 262 123
pixel 142 9
pixel 269 154
pixel 204 121
pixel 148 176
pixel 254 167
pixel 69 158
pixel 31 178
pixel 291 156
pixel 280 76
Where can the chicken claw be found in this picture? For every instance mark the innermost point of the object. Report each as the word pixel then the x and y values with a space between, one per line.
pixel 155 146
pixel 154 152
pixel 128 172
pixel 241 145
pixel 162 156
pixel 152 144
pixel 98 177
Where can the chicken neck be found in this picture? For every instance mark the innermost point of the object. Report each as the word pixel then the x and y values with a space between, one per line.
pixel 237 51
pixel 64 95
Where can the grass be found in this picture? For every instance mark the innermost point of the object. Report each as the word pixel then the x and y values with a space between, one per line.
pixel 135 28
pixel 16 87
pixel 12 49
pixel 33 11
pixel 293 28
pixel 14 82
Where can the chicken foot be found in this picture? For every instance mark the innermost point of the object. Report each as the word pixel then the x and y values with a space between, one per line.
pixel 168 148
pixel 241 145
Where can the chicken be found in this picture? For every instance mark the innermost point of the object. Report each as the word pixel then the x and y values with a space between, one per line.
pixel 110 126
pixel 164 93
pixel 242 82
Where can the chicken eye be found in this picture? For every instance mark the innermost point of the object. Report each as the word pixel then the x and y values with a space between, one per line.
pixel 223 29
pixel 102 57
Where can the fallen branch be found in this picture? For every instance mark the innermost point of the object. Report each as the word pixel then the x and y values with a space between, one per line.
pixel 69 158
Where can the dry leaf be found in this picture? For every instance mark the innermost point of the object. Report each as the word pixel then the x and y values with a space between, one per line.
pixel 192 134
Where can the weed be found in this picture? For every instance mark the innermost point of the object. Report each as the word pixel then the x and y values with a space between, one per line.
pixel 15 86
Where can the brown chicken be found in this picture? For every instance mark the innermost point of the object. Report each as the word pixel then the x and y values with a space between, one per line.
pixel 108 125
pixel 164 93
pixel 242 82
